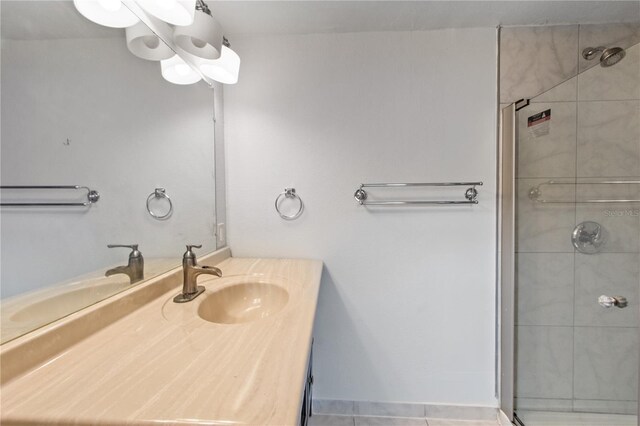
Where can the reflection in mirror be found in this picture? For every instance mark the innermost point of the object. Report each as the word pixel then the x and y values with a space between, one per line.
pixel 79 109
pixel 203 52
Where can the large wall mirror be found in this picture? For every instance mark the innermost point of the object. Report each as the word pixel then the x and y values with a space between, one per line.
pixel 79 109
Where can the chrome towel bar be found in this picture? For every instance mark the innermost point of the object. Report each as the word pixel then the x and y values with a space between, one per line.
pixel 470 194
pixel 535 193
pixel 92 196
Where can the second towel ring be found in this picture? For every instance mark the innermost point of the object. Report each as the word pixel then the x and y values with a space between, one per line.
pixel 159 193
pixel 289 193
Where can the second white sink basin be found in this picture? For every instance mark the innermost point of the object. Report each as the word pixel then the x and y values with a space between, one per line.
pixel 58 306
pixel 243 302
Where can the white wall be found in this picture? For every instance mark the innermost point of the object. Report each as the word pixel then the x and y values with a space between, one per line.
pixel 406 308
pixel 130 132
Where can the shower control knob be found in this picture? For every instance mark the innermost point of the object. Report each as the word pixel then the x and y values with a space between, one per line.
pixel 611 301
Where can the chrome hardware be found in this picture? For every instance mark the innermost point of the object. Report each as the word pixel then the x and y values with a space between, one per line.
pixel 588 237
pixel 360 195
pixel 202 6
pixel 610 56
pixel 190 273
pixel 470 194
pixel 611 301
pixel 291 194
pixel 591 52
pixel 159 193
pixel 134 269
pixel 92 196
pixel 535 193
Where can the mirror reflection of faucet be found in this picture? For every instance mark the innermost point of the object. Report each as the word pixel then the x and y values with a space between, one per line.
pixel 135 267
pixel 190 273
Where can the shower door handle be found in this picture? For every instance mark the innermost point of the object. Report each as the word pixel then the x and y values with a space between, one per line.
pixel 611 301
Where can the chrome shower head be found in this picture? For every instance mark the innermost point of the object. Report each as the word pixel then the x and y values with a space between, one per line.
pixel 610 56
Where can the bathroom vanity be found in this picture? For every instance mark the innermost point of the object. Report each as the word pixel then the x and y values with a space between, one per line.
pixel 237 354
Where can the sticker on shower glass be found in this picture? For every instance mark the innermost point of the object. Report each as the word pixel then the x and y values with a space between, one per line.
pixel 538 124
pixel 539 118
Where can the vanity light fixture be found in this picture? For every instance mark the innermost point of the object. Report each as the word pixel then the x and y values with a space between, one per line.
pixel 224 70
pixel 204 37
pixel 177 71
pixel 143 43
pixel 176 12
pixel 196 34
pixel 110 13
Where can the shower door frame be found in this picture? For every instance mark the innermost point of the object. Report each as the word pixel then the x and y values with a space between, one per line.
pixel 507 138
pixel 506 257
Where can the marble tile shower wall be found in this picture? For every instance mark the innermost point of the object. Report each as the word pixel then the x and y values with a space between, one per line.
pixel 572 354
pixel 536 59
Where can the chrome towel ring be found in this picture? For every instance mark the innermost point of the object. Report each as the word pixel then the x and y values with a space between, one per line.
pixel 159 193
pixel 289 193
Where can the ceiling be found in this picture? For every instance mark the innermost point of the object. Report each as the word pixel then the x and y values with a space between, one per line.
pixel 35 20
pixel 305 17
pixel 49 19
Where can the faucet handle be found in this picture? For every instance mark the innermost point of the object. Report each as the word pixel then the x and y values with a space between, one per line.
pixel 133 247
pixel 192 246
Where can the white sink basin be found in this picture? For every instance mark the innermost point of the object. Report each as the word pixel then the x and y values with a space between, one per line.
pixel 65 303
pixel 245 302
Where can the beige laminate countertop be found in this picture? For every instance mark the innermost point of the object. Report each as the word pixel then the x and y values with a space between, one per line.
pixel 164 364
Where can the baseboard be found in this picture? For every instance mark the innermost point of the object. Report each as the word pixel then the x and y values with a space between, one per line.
pixel 400 409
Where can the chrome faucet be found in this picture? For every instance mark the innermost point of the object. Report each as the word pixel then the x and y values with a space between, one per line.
pixel 190 272
pixel 135 268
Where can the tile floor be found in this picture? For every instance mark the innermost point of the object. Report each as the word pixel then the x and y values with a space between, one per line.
pixel 546 418
pixel 333 420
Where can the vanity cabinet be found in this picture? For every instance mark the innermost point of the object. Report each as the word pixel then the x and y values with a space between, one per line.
pixel 306 410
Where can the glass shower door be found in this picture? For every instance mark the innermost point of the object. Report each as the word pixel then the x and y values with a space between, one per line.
pixel 577 263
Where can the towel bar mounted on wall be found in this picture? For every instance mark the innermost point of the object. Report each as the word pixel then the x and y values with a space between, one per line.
pixel 535 193
pixel 470 194
pixel 92 196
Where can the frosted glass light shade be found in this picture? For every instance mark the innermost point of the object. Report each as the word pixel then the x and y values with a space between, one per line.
pixel 225 70
pixel 177 71
pixel 203 38
pixel 110 13
pixel 176 12
pixel 143 43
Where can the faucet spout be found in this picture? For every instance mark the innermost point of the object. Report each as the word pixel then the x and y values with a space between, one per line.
pixel 206 270
pixel 116 270
pixel 132 271
pixel 134 268
pixel 190 272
